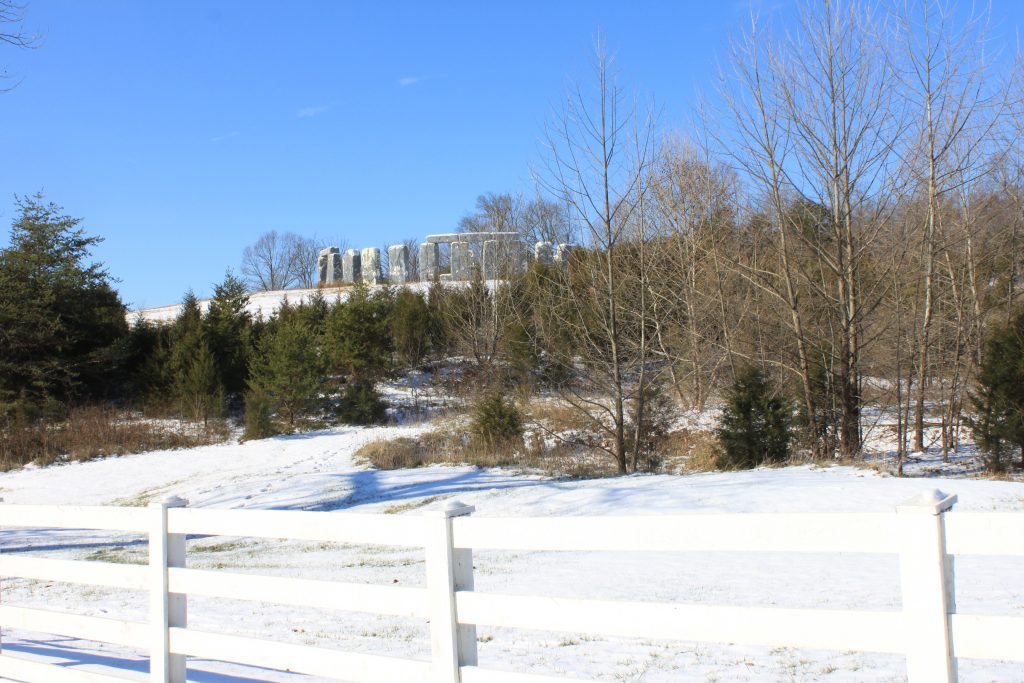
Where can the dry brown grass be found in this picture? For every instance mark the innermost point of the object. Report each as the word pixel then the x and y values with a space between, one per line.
pixel 555 443
pixel 402 453
pixel 99 431
pixel 452 444
pixel 557 417
pixel 691 450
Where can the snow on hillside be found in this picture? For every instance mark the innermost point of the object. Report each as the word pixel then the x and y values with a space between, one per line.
pixel 263 304
pixel 316 472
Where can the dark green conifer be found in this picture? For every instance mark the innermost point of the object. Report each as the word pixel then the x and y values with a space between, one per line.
pixel 289 368
pixel 411 327
pixel 998 424
pixel 227 326
pixel 358 334
pixel 755 427
pixel 61 322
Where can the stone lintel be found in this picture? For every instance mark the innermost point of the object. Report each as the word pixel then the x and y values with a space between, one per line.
pixel 448 238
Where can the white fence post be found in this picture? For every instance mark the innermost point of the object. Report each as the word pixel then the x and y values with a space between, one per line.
pixel 925 586
pixel 166 609
pixel 448 570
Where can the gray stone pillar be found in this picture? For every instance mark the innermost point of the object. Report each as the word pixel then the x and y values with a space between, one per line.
pixel 428 262
pixel 325 266
pixel 493 259
pixel 335 273
pixel 521 256
pixel 460 261
pixel 398 264
pixel 371 266
pixel 542 252
pixel 562 253
pixel 351 266
pixel 321 268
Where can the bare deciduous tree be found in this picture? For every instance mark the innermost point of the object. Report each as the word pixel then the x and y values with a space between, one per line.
pixel 280 261
pixel 12 14
pixel 942 71
pixel 535 220
pixel 592 167
pixel 817 125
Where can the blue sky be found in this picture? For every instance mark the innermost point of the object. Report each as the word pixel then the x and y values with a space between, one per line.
pixel 182 131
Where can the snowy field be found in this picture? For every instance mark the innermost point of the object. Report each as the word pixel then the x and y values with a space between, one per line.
pixel 316 472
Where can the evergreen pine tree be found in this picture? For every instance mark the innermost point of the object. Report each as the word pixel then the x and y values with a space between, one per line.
pixel 497 421
pixel 193 369
pixel 361 404
pixel 998 424
pixel 227 325
pixel 148 360
pixel 289 368
pixel 198 387
pixel 259 423
pixel 437 297
pixel 755 426
pixel 314 312
pixel 358 334
pixel 186 333
pixel 411 328
pixel 61 322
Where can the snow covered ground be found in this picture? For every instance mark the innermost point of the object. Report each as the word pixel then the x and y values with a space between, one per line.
pixel 316 472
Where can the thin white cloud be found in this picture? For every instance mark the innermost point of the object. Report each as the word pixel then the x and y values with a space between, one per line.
pixel 309 112
pixel 406 81
pixel 219 138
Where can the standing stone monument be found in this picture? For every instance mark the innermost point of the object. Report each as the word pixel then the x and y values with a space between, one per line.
pixel 490 263
pixel 542 252
pixel 520 257
pixel 351 266
pixel 428 262
pixel 321 265
pixel 398 264
pixel 492 254
pixel 329 266
pixel 371 266
pixel 460 261
pixel 562 253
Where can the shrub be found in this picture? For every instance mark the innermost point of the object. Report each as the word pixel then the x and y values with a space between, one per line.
pixel 258 423
pixel 358 335
pixel 442 446
pixel 411 326
pixel 497 421
pixel 998 425
pixel 289 368
pixel 95 431
pixel 361 404
pixel 755 425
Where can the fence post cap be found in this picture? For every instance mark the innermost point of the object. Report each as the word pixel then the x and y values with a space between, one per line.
pixel 452 508
pixel 931 501
pixel 170 502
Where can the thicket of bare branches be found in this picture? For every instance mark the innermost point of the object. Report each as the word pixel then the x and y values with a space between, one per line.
pixel 12 30
pixel 848 218
pixel 280 261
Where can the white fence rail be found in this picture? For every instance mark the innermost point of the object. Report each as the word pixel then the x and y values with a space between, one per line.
pixel 928 630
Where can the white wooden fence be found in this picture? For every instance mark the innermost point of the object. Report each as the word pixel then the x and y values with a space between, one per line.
pixel 928 630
